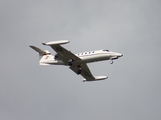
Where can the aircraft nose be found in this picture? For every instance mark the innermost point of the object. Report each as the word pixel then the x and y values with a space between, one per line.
pixel 120 55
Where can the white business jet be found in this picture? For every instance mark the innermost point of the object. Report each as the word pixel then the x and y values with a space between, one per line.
pixel 76 62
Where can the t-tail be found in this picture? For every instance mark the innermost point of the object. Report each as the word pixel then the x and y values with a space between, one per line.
pixel 43 55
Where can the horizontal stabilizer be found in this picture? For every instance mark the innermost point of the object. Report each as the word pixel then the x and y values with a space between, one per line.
pixel 60 42
pixel 42 52
pixel 97 78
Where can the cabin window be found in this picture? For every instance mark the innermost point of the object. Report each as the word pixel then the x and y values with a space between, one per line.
pixel 106 50
pixel 48 54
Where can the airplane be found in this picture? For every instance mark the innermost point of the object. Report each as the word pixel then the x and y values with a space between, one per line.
pixel 76 62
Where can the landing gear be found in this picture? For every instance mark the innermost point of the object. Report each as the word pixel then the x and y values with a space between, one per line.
pixel 79 70
pixel 56 57
pixel 70 62
pixel 84 80
pixel 111 62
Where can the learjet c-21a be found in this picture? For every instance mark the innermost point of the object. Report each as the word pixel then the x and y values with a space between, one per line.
pixel 76 62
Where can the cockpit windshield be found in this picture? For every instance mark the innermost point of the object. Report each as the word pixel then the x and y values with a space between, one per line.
pixel 106 50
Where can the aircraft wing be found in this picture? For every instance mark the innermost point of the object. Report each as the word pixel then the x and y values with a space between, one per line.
pixel 64 54
pixel 85 72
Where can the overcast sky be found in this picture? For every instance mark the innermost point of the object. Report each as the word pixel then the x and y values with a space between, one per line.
pixel 32 92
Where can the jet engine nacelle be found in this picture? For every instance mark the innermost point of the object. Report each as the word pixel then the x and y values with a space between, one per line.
pixel 60 42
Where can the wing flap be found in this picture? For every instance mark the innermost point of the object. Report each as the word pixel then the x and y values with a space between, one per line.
pixel 85 72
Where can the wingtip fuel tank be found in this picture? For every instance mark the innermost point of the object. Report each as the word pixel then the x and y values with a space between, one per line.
pixel 59 42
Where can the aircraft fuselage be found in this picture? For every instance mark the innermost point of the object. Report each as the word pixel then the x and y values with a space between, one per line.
pixel 86 57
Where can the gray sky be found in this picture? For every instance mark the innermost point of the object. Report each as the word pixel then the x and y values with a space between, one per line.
pixel 32 92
